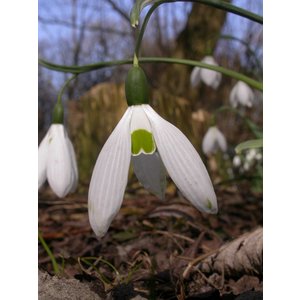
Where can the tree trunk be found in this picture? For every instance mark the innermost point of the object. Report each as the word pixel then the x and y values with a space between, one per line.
pixel 196 40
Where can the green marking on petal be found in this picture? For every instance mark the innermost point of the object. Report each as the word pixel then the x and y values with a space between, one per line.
pixel 209 204
pixel 142 141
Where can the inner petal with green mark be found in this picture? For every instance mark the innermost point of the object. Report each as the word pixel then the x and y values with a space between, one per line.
pixel 142 142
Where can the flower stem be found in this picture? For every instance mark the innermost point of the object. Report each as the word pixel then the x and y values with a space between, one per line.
pixel 216 4
pixel 59 97
pixel 87 68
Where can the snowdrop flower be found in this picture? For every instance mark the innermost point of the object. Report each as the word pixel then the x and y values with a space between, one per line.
pixel 237 161
pixel 213 141
pixel 57 162
pixel 209 77
pixel 241 94
pixel 153 146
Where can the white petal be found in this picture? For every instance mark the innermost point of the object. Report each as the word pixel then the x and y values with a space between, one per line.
pixel 43 155
pixel 221 140
pixel 195 76
pixel 183 163
pixel 245 94
pixel 209 144
pixel 232 98
pixel 59 164
pixel 217 81
pixel 139 119
pixel 110 177
pixel 74 167
pixel 210 77
pixel 150 172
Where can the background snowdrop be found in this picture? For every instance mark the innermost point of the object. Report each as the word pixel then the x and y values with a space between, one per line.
pixel 57 161
pixel 241 94
pixel 213 141
pixel 209 77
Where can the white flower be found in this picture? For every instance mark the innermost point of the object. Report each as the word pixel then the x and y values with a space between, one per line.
pixel 209 77
pixel 237 161
pixel 213 141
pixel 57 161
pixel 241 94
pixel 153 145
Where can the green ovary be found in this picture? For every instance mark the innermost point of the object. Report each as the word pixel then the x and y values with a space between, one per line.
pixel 142 142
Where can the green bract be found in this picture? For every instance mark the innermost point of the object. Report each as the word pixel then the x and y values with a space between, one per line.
pixel 136 87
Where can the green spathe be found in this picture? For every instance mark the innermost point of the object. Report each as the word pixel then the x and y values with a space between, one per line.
pixel 142 142
pixel 58 114
pixel 136 87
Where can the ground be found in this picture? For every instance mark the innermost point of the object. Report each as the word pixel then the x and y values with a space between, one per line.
pixel 147 248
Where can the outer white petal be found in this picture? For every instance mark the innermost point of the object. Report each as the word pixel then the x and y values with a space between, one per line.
pixel 195 76
pixel 43 155
pixel 74 167
pixel 210 77
pixel 150 172
pixel 232 97
pixel 183 163
pixel 244 94
pixel 221 140
pixel 110 177
pixel 59 163
pixel 209 144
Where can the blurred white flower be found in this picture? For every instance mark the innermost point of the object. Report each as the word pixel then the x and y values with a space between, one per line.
pixel 57 161
pixel 251 154
pixel 237 161
pixel 214 140
pixel 152 144
pixel 209 77
pixel 241 94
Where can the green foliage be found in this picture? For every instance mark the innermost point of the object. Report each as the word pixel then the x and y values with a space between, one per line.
pixel 250 144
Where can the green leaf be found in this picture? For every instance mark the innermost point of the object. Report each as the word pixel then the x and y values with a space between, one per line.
pixel 249 145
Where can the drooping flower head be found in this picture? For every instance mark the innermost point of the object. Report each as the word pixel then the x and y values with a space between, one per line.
pixel 154 146
pixel 57 161
pixel 213 141
pixel 241 94
pixel 209 77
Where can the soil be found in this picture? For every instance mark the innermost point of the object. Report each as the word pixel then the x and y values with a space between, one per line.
pixel 147 248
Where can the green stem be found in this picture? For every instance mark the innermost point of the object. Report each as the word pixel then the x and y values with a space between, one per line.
pixel 214 3
pixel 59 97
pixel 254 83
pixel 49 252
pixel 87 68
